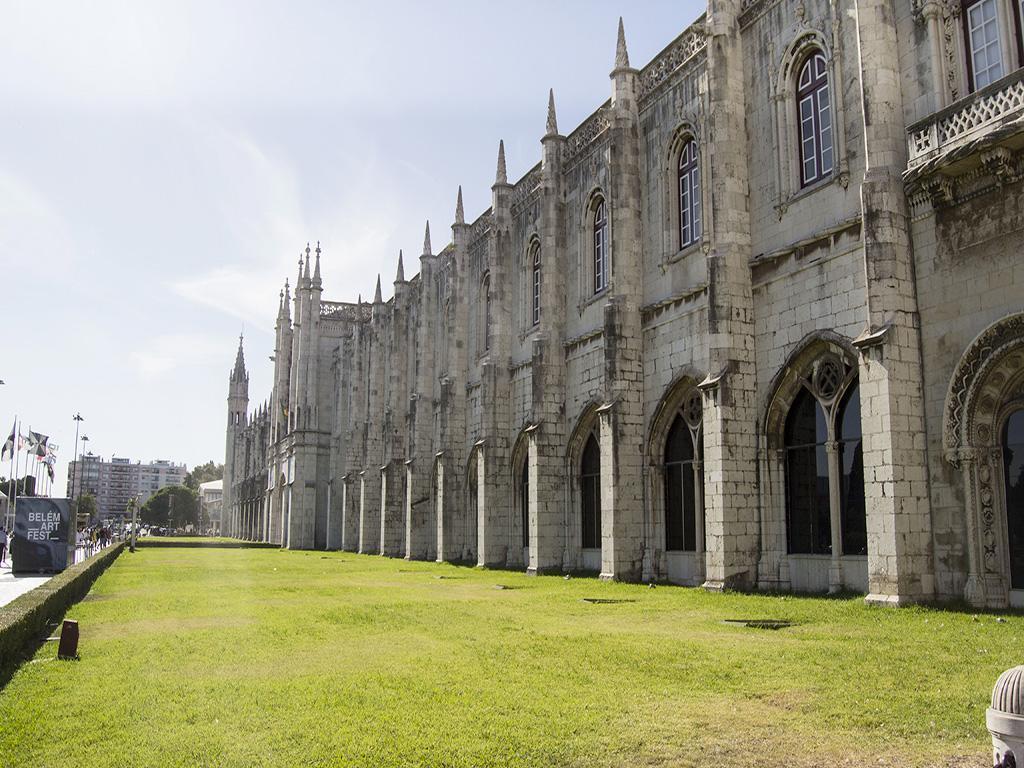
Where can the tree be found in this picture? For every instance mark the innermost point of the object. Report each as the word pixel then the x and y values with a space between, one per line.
pixel 23 486
pixel 85 508
pixel 172 506
pixel 204 473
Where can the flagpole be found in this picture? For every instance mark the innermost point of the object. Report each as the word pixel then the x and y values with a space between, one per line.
pixel 12 498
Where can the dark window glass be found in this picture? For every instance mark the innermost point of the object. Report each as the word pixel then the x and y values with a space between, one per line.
pixel 487 312
pixel 1013 472
pixel 524 501
pixel 807 502
pixel 536 284
pixel 680 489
pixel 590 488
pixel 851 464
pixel 600 247
pixel 814 117
pixel 688 180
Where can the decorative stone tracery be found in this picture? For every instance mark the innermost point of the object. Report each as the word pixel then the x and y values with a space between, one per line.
pixel 987 385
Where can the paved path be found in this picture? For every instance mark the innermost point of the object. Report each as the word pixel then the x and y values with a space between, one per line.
pixel 12 586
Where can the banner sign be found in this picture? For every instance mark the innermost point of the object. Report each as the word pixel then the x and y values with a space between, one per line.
pixel 40 542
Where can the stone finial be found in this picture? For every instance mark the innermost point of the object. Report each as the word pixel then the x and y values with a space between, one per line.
pixel 621 54
pixel 316 272
pixel 400 276
pixel 552 126
pixel 426 241
pixel 287 300
pixel 502 175
pixel 376 294
pixel 460 215
pixel 298 280
pixel 305 274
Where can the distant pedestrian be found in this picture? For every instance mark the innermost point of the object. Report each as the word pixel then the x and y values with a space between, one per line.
pixel 3 544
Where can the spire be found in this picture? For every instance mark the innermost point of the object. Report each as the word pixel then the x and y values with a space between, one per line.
pixel 285 312
pixel 552 122
pixel 460 216
pixel 298 280
pixel 317 282
pixel 426 241
pixel 305 274
pixel 400 277
pixel 238 374
pixel 502 176
pixel 621 54
pixel 376 294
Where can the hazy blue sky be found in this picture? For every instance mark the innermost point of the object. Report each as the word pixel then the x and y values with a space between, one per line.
pixel 162 164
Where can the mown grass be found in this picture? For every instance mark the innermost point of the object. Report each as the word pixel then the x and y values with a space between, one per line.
pixel 261 657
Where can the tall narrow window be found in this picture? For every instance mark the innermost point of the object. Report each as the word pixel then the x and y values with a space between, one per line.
pixel 535 284
pixel 524 500
pixel 486 290
pixel 1013 475
pixel 808 518
pixel 590 490
pixel 600 247
pixel 814 113
pixel 981 28
pixel 853 513
pixel 689 195
pixel 682 485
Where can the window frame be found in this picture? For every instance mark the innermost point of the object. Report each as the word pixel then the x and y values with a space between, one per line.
pixel 818 85
pixel 590 481
pixel 534 265
pixel 600 263
pixel 1010 40
pixel 689 214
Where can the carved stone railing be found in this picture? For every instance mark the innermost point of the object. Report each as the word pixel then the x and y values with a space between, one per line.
pixel 343 310
pixel 982 112
pixel 526 186
pixel 679 51
pixel 587 132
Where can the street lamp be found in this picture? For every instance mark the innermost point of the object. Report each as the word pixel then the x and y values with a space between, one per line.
pixel 73 524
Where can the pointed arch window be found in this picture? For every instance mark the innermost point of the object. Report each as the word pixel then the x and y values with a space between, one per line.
pixel 590 494
pixel 485 290
pixel 684 480
pixel 688 186
pixel 1013 476
pixel 825 466
pixel 600 227
pixel 534 262
pixel 524 500
pixel 814 117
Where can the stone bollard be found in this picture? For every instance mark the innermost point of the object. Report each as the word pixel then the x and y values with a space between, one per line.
pixel 1005 719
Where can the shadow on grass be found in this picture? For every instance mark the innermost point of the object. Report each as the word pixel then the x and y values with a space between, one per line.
pixel 202 544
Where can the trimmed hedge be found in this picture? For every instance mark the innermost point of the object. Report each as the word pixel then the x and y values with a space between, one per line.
pixel 201 544
pixel 25 619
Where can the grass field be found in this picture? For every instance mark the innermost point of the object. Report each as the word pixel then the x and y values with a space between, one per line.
pixel 264 657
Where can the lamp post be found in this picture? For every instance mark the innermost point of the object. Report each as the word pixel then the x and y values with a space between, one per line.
pixel 73 523
pixel 135 508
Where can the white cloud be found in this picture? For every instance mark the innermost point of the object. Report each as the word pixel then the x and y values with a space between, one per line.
pixel 174 351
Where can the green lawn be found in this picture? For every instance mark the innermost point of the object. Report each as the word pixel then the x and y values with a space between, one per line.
pixel 262 657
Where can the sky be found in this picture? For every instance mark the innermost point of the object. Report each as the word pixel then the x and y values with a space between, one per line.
pixel 162 164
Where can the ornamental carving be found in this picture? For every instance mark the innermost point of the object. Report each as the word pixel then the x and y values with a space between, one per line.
pixel 587 133
pixel 983 351
pixel 685 47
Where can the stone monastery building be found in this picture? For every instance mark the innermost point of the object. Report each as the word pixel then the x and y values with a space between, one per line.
pixel 756 323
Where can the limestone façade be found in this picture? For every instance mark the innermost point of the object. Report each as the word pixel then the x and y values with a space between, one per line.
pixel 445 423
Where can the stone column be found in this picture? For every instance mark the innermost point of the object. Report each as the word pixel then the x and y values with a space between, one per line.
pixel 896 489
pixel 548 437
pixel 730 478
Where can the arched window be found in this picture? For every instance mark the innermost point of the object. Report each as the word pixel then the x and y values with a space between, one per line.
pixel 600 247
pixel 807 490
pixel 986 37
pixel 688 185
pixel 590 494
pixel 814 115
pixel 524 500
pixel 1013 474
pixel 825 465
pixel 684 480
pixel 485 289
pixel 535 283
pixel 851 465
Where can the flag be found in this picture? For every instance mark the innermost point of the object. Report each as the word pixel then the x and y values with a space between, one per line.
pixel 49 461
pixel 36 443
pixel 9 445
